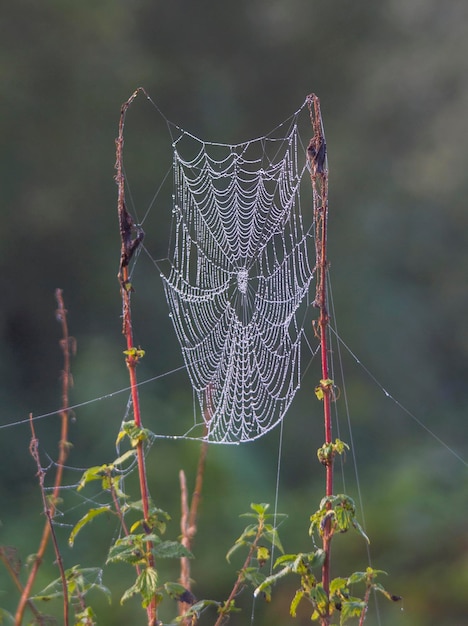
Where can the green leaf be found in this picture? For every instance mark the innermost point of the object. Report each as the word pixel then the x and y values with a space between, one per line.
pixel 260 509
pixel 90 515
pixel 197 608
pixel 269 581
pixel 320 598
pixel 360 530
pixel 367 576
pixel 6 618
pixel 343 519
pixel 263 555
pixel 254 576
pixel 295 602
pixel 233 549
pixel 271 534
pixel 171 550
pixel 313 559
pixel 351 608
pixel 129 593
pixel 130 454
pixel 174 590
pixel 389 596
pixel 130 549
pixel 338 584
pixel 87 617
pixel 97 472
pixel 79 582
pixel 243 540
pixel 156 521
pixel 148 584
pixel 145 585
pixel 134 433
pixel 357 577
pixel 285 559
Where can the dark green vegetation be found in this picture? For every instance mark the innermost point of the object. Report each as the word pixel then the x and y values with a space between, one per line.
pixel 392 81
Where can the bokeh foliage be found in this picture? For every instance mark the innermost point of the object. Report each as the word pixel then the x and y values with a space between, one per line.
pixel 393 85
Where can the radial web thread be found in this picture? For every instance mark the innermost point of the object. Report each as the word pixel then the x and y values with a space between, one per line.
pixel 240 266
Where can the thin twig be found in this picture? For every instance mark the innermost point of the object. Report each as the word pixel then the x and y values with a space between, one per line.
pixel 131 237
pixel 48 511
pixel 188 519
pixel 224 612
pixel 362 619
pixel 68 347
pixel 13 573
pixel 317 157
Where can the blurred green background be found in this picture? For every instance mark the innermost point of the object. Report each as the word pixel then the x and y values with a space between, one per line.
pixel 392 77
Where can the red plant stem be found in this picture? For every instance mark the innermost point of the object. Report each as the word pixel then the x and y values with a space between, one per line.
pixel 132 362
pixel 317 157
pixel 131 237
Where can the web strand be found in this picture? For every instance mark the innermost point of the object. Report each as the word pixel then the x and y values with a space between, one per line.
pixel 240 267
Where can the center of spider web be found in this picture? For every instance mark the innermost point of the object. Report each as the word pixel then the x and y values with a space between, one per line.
pixel 242 278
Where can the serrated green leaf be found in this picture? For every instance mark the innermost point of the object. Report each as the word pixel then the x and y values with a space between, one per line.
pixel 146 585
pixel 90 515
pixel 171 550
pixel 343 519
pixel 129 549
pixel 129 593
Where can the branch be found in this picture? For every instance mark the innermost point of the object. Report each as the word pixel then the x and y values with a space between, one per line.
pixel 68 346
pixel 317 158
pixel 131 237
pixel 188 520
pixel 48 510
pixel 224 611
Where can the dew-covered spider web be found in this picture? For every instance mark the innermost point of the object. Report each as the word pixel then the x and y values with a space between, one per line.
pixel 240 267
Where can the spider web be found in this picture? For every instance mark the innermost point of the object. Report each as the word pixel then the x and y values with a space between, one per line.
pixel 240 267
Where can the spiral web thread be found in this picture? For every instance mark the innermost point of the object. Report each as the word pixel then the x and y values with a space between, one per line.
pixel 240 268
